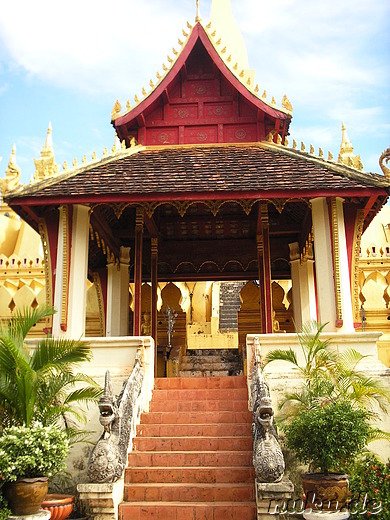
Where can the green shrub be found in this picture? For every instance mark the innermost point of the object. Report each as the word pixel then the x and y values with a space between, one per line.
pixel 4 511
pixel 370 477
pixel 39 451
pixel 330 436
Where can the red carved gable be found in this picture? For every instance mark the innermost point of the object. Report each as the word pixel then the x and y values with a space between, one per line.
pixel 200 101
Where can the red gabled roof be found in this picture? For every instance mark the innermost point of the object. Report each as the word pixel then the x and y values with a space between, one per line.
pixel 135 117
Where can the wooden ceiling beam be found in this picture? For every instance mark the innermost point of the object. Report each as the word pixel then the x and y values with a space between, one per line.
pixel 100 225
pixel 151 226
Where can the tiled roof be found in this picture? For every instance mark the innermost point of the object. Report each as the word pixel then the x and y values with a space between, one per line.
pixel 254 168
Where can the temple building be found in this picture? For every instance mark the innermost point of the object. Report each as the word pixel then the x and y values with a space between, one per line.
pixel 205 228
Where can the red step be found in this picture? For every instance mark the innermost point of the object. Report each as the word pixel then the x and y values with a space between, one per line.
pixel 192 457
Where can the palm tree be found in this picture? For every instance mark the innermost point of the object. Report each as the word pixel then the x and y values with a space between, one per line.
pixel 328 375
pixel 41 384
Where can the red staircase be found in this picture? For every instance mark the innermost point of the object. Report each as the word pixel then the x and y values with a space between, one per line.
pixel 192 457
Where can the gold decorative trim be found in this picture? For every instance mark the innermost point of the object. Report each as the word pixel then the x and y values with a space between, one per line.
pixel 47 264
pixel 357 235
pixel 99 294
pixel 336 259
pixel 65 265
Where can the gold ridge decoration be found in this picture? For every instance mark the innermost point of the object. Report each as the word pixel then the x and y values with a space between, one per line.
pixel 385 158
pixel 136 99
pixel 295 145
pixel 264 95
pixel 42 228
pixel 336 259
pixel 65 166
pixel 330 156
pixel 128 106
pixel 303 146
pixel 357 236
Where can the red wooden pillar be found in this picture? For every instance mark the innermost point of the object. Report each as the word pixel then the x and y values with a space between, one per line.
pixel 139 229
pixel 153 310
pixel 264 262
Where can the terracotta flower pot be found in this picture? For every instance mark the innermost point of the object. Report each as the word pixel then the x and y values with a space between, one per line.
pixel 60 506
pixel 25 496
pixel 325 492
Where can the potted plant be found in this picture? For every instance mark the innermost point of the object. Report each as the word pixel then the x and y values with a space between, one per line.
pixel 328 438
pixel 42 383
pixel 326 420
pixel 29 455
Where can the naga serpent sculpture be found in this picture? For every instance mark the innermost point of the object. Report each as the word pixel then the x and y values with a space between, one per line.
pixel 109 457
pixel 268 459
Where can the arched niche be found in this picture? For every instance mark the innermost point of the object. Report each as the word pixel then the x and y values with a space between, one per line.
pixel 171 297
pixel 249 314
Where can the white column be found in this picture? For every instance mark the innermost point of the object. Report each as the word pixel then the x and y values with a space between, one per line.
pixel 295 263
pixel 124 288
pixel 113 300
pixel 77 304
pixel 343 270
pixel 324 264
pixel 117 322
pixel 59 275
pixel 308 292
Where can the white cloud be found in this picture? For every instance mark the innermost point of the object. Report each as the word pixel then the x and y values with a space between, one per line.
pixel 330 57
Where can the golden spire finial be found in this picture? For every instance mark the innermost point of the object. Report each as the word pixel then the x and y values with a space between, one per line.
pixel 12 174
pixel 46 166
pixel 197 18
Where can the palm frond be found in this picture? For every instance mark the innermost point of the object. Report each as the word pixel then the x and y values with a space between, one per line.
pixel 281 355
pixel 24 319
pixel 60 353
pixel 84 395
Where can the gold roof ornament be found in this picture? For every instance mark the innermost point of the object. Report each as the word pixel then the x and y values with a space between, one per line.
pixel 346 155
pixel 46 166
pixel 295 144
pixel 116 109
pixel 286 104
pixel 197 18
pixel 12 175
pixel 303 146
pixel 128 106
pixel 385 158
pixel 330 156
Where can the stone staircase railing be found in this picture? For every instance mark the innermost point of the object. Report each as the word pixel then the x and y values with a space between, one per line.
pixel 119 417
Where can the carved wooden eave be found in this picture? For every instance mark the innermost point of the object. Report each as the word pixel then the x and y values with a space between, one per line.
pixel 135 117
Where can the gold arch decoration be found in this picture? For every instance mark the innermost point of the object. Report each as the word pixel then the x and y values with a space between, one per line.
pixel 355 289
pixel 42 228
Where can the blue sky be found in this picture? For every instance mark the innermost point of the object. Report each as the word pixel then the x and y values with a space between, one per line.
pixel 67 62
